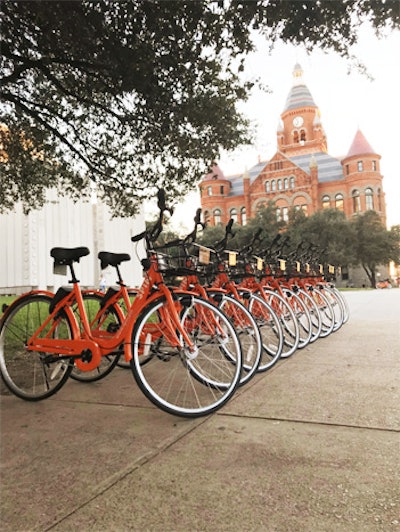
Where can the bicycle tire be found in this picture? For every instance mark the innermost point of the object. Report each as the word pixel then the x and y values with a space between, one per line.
pixel 287 318
pixel 343 301
pixel 326 312
pixel 302 315
pixel 247 330
pixel 337 306
pixel 101 321
pixel 270 329
pixel 178 382
pixel 315 315
pixel 31 375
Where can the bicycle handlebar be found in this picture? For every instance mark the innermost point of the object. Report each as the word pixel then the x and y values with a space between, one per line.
pixel 152 234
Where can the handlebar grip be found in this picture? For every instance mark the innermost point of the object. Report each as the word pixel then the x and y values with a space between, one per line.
pixel 229 226
pixel 161 199
pixel 198 216
pixel 138 237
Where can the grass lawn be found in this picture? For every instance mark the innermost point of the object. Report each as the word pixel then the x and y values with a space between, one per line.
pixel 7 300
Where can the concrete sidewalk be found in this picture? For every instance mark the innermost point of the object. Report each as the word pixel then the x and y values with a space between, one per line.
pixel 313 445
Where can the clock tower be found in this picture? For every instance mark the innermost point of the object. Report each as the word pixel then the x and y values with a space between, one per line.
pixel 300 130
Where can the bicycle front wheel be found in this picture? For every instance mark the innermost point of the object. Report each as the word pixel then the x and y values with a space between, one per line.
pixel 180 381
pixel 32 375
pixel 247 330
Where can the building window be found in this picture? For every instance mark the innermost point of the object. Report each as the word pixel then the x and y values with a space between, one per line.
pixel 206 216
pixel 379 200
pixel 347 169
pixel 280 187
pixel 209 191
pixel 356 201
pixel 286 183
pixel 302 207
pixel 326 202
pixel 217 217
pixel 291 180
pixel 221 189
pixel 303 135
pixel 285 214
pixel 360 166
pixel 273 185
pixel 369 199
pixel 339 202
pixel 234 215
pixel 243 215
pixel 374 166
pixel 278 214
pixel 267 187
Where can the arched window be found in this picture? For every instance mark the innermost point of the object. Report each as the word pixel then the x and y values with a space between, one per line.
pixel 326 202
pixel 267 187
pixel 339 202
pixel 303 135
pixel 278 214
pixel 273 185
pixel 217 217
pixel 285 214
pixel 280 184
pixel 286 183
pixel 360 166
pixel 369 199
pixel 291 180
pixel 206 216
pixel 233 214
pixel 356 201
pixel 243 215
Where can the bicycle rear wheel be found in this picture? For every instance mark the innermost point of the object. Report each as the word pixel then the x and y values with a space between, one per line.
pixel 32 375
pixel 180 382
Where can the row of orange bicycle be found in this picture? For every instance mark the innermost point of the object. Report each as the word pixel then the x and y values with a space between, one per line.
pixel 203 322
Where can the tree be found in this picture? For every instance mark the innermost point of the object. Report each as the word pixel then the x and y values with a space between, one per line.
pixel 373 244
pixel 140 94
pixel 327 231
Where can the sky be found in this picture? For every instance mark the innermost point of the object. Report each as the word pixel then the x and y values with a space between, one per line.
pixel 347 100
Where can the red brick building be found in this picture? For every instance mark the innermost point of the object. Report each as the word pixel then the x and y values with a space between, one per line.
pixel 301 174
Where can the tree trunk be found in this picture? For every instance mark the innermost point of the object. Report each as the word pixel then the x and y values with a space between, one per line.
pixel 370 271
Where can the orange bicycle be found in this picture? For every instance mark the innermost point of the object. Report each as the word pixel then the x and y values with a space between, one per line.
pixel 184 353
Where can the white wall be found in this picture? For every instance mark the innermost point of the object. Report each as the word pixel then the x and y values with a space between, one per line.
pixel 26 241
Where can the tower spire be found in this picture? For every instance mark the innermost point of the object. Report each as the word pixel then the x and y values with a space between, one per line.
pixel 298 75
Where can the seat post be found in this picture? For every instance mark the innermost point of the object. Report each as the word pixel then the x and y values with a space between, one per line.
pixel 74 279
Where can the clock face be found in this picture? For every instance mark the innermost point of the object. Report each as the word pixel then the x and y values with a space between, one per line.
pixel 298 121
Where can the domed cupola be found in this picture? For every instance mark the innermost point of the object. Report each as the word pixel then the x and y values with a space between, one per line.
pixel 302 128
pixel 299 95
